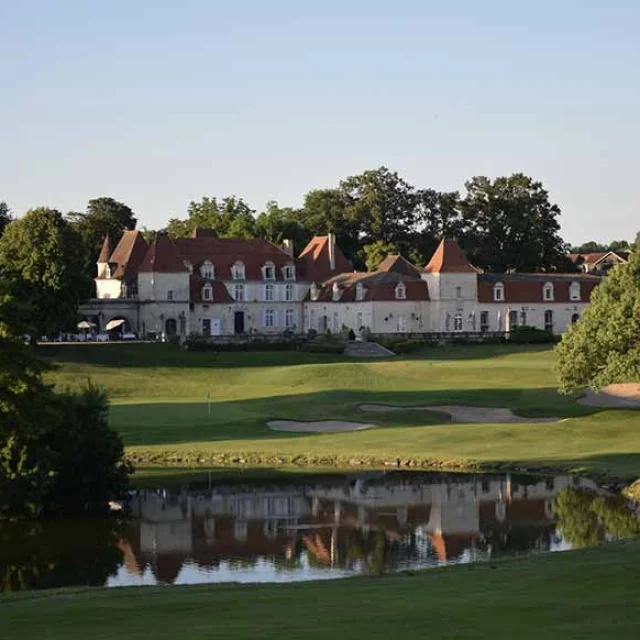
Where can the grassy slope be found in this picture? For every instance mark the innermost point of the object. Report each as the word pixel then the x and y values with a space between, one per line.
pixel 580 594
pixel 160 405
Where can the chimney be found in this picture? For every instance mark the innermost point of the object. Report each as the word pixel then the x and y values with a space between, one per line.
pixel 332 251
pixel 287 247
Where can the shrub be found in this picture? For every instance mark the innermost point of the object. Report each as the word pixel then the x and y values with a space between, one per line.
pixel 351 335
pixel 407 346
pixel 531 335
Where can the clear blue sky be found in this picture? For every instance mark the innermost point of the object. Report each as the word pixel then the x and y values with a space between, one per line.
pixel 158 103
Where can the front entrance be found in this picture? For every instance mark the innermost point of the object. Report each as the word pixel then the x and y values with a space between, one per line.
pixel 238 322
pixel 171 327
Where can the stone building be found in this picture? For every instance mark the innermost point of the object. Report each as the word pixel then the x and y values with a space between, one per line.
pixel 213 286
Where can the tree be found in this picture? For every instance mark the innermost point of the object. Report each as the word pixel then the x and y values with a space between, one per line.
pixel 277 224
pixel 509 224
pixel 230 217
pixel 376 252
pixel 5 216
pixel 42 258
pixel 589 247
pixel 104 216
pixel 604 346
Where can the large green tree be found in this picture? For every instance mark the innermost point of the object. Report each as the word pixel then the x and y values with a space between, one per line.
pixel 104 216
pixel 5 216
pixel 604 346
pixel 41 257
pixel 277 223
pixel 229 217
pixel 510 224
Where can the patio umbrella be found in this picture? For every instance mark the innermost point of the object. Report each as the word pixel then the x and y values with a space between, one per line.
pixel 114 324
pixel 85 324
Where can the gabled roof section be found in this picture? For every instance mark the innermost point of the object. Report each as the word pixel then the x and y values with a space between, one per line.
pixel 127 256
pixel 397 264
pixel 449 258
pixel 315 263
pixel 105 252
pixel 162 257
pixel 596 258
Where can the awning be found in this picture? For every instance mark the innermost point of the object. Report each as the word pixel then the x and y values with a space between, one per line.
pixel 85 324
pixel 114 324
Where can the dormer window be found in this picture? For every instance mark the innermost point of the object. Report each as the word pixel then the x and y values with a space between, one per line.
pixel 401 291
pixel 207 292
pixel 360 291
pixel 289 272
pixel 269 271
pixel 206 270
pixel 237 271
pixel 547 291
pixel 188 266
pixel 335 292
pixel 574 291
pixel 498 292
pixel 313 291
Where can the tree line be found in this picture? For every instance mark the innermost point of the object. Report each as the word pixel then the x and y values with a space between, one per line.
pixel 503 224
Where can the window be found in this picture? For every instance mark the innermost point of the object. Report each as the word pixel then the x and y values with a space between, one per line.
pixel 359 292
pixel 238 271
pixel 269 271
pixel 239 293
pixel 547 291
pixel 268 292
pixel 288 292
pixel 359 320
pixel 513 319
pixel 207 292
pixel 206 326
pixel 498 292
pixel 269 318
pixel 401 291
pixel 548 321
pixel 457 321
pixel 206 270
pixel 402 324
pixel 523 318
pixel 313 291
pixel 169 295
pixel 335 292
pixel 574 291
pixel 484 321
pixel 289 318
pixel 575 317
pixel 289 272
pixel 459 293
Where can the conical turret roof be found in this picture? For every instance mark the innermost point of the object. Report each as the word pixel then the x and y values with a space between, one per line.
pixel 449 258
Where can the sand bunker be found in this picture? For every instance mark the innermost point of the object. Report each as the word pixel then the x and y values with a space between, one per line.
pixel 321 426
pixel 464 414
pixel 625 395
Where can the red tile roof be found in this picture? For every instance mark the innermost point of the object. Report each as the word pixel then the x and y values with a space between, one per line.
pixel 448 258
pixel 105 252
pixel 162 257
pixel 127 256
pixel 398 264
pixel 315 264
pixel 594 258
pixel 528 287
pixel 220 292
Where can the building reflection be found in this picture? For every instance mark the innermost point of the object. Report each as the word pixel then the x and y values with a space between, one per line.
pixel 368 522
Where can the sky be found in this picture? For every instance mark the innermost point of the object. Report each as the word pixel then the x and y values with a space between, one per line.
pixel 159 103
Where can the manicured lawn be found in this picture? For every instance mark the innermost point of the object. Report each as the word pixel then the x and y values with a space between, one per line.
pixel 578 594
pixel 161 407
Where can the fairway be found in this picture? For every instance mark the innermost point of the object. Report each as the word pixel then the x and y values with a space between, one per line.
pixel 176 407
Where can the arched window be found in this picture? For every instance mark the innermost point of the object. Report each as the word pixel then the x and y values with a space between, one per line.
pixel 401 291
pixel 547 291
pixel 269 271
pixel 574 291
pixel 207 292
pixel 457 321
pixel 360 291
pixel 335 292
pixel 575 317
pixel 206 270
pixel 238 271
pixel 498 292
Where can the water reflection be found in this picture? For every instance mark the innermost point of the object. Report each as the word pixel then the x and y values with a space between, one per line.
pixel 318 527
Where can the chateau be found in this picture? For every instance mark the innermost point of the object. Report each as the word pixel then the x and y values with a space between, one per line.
pixel 214 286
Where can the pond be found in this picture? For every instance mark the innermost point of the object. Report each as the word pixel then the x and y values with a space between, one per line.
pixel 313 527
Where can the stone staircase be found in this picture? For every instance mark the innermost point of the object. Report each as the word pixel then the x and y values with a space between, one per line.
pixel 366 350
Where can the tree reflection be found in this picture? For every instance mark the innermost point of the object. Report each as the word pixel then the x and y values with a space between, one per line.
pixel 41 555
pixel 584 518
